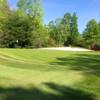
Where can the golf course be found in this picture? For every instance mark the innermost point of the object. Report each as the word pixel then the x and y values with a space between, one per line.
pixel 49 50
pixel 36 74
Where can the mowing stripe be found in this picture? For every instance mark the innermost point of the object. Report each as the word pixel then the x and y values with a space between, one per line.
pixel 29 62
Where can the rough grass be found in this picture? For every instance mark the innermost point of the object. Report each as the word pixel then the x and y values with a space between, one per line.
pixel 27 74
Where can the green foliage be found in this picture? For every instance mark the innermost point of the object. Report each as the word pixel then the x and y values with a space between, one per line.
pixel 64 31
pixel 73 30
pixel 17 32
pixel 21 7
pixel 33 8
pixel 92 34
pixel 56 32
pixel 79 41
pixel 4 12
pixel 24 28
pixel 40 37
pixel 34 11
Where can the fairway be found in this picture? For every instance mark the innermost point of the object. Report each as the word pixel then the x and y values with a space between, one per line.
pixel 35 74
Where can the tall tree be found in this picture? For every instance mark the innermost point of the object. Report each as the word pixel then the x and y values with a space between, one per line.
pixel 91 33
pixel 70 27
pixel 4 14
pixel 33 10
pixel 73 29
pixel 66 21
pixel 52 33
pixel 35 14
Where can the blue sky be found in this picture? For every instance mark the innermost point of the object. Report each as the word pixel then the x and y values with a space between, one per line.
pixel 85 9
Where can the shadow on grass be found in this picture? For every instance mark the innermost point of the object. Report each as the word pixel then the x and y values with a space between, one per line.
pixel 89 63
pixel 64 93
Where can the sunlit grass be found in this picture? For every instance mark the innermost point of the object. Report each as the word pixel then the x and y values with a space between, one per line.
pixel 49 75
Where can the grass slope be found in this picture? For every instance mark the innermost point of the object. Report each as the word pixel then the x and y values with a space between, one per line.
pixel 27 74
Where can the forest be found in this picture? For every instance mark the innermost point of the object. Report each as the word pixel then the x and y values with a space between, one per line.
pixel 24 28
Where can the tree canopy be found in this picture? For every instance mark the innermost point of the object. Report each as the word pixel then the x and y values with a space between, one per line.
pixel 24 28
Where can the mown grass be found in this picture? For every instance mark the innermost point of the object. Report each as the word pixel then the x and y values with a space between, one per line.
pixel 27 74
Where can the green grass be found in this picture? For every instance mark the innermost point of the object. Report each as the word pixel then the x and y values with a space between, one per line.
pixel 27 74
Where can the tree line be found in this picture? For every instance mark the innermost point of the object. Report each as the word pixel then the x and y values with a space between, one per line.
pixel 24 28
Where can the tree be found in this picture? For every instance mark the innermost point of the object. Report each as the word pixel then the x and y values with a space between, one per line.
pixel 66 21
pixel 56 31
pixel 4 14
pixel 32 8
pixel 91 33
pixel 3 6
pixel 34 11
pixel 22 7
pixel 52 33
pixel 72 33
pixel 17 32
pixel 73 29
pixel 40 37
pixel 64 31
pixel 24 27
pixel 35 14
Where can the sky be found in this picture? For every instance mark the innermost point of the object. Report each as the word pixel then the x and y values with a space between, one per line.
pixel 85 9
